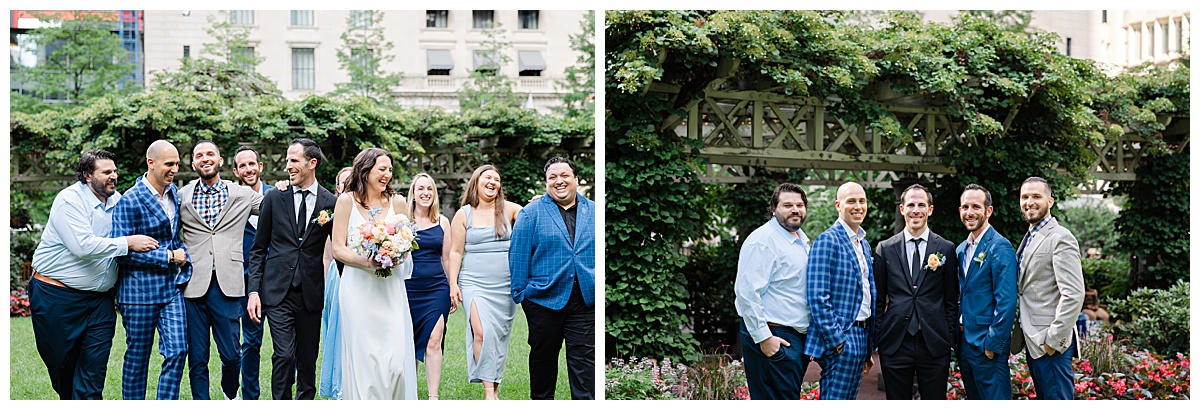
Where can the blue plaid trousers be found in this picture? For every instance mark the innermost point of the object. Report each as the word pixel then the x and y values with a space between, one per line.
pixel 841 374
pixel 140 322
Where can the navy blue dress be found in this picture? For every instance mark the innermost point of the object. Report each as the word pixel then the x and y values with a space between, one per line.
pixel 428 289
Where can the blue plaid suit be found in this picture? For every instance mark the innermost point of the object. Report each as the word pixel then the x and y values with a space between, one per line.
pixel 554 280
pixel 149 293
pixel 988 304
pixel 544 262
pixel 834 299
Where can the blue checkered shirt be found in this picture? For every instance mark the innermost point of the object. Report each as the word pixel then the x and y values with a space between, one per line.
pixel 1029 237
pixel 209 200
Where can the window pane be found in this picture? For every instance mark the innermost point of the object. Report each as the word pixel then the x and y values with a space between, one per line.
pixel 302 17
pixel 187 51
pixel 529 19
pixel 481 19
pixel 242 17
pixel 1166 40
pixel 303 69
pixel 436 18
pixel 1179 35
pixel 360 18
pixel 1150 36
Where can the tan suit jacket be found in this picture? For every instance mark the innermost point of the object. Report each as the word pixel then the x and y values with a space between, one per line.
pixel 217 247
pixel 1050 289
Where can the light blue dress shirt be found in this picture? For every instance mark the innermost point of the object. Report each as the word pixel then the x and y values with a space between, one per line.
pixel 75 249
pixel 772 280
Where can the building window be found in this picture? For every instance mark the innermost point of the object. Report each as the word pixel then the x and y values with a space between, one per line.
pixel 304 70
pixel 303 18
pixel 530 63
pixel 486 61
pixel 247 51
pixel 1137 44
pixel 242 17
pixel 481 18
pixel 1179 35
pixel 360 18
pixel 529 19
pixel 187 51
pixel 1103 16
pixel 438 62
pixel 1166 39
pixel 1151 43
pixel 1068 46
pixel 436 18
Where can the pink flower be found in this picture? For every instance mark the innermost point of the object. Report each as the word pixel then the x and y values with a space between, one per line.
pixel 391 229
pixel 365 230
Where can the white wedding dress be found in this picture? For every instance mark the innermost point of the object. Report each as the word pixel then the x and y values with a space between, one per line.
pixel 378 359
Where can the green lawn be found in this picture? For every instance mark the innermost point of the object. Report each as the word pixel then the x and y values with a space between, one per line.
pixel 29 380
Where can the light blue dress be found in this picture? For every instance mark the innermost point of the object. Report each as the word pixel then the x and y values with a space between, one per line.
pixel 484 281
pixel 331 338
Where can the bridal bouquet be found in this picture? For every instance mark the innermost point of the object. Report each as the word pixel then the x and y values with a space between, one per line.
pixel 388 242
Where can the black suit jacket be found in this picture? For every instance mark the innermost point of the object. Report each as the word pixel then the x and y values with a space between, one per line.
pixel 930 298
pixel 271 277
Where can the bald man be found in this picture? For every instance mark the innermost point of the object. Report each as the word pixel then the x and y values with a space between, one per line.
pixel 149 283
pixel 841 298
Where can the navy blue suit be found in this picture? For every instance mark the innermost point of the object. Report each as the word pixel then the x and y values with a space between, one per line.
pixel 252 333
pixel 988 306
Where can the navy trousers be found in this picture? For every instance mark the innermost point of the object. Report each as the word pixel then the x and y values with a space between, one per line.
pixel 983 378
pixel 219 313
pixel 73 330
pixel 1053 377
pixel 780 376
pixel 573 325
pixel 252 336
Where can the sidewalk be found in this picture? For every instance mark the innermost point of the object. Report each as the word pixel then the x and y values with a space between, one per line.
pixel 869 390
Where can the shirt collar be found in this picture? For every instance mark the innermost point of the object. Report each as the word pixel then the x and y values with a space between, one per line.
pixel 774 223
pixel 311 188
pixel 220 185
pixel 852 234
pixel 153 190
pixel 981 234
pixel 1040 225
pixel 924 235
pixel 89 197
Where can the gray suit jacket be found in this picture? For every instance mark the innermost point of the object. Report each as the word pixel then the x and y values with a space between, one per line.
pixel 1050 288
pixel 219 247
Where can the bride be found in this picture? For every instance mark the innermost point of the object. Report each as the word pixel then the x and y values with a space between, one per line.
pixel 377 335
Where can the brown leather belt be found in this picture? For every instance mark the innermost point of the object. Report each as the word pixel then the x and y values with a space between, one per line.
pixel 773 324
pixel 49 280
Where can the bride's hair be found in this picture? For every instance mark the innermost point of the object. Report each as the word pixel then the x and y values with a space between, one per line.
pixel 434 208
pixel 471 197
pixel 363 164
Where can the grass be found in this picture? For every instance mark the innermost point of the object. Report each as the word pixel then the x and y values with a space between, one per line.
pixel 28 379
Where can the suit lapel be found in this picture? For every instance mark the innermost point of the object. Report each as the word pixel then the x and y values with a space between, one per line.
pixel 148 200
pixel 556 216
pixel 234 194
pixel 185 197
pixel 321 204
pixel 1032 246
pixel 899 252
pixel 583 218
pixel 921 270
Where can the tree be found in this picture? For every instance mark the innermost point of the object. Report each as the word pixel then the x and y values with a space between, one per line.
pixel 84 58
pixel 580 82
pixel 226 66
pixel 231 42
pixel 487 83
pixel 1016 21
pixel 363 53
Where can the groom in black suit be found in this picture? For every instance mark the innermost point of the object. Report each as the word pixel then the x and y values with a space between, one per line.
pixel 916 272
pixel 287 272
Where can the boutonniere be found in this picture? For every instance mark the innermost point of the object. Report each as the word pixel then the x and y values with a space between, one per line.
pixel 936 260
pixel 322 217
pixel 979 259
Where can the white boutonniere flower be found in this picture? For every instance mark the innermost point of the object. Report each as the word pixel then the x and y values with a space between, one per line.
pixel 979 259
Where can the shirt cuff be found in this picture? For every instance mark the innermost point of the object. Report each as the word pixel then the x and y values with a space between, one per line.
pixel 122 246
pixel 760 334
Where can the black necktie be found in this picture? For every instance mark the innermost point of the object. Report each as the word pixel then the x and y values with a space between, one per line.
pixel 301 220
pixel 914 325
pixel 916 259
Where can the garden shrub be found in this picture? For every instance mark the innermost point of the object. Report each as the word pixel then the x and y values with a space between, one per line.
pixel 1155 319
